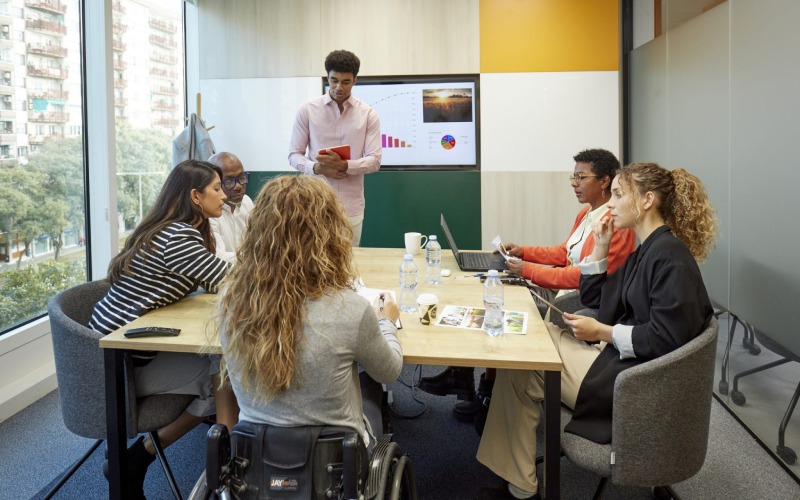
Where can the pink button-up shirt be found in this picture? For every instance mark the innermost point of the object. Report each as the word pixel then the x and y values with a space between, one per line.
pixel 320 125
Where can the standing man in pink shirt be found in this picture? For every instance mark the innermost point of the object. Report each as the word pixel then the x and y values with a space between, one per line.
pixel 334 119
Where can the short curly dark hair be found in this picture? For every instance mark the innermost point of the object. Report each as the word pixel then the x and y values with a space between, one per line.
pixel 342 61
pixel 603 162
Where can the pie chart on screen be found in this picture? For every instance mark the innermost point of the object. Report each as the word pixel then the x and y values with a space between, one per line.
pixel 448 142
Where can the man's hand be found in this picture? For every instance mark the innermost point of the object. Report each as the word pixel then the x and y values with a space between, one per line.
pixel 331 165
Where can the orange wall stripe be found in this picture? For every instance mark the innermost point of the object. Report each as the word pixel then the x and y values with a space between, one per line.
pixel 549 35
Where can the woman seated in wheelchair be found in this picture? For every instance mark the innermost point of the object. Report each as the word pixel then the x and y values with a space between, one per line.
pixel 293 330
pixel 168 255
pixel 655 303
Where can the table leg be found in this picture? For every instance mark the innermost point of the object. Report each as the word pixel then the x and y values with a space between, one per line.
pixel 116 428
pixel 552 435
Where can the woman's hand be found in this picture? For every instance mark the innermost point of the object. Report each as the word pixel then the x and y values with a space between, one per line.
pixel 386 307
pixel 515 265
pixel 603 230
pixel 512 249
pixel 588 329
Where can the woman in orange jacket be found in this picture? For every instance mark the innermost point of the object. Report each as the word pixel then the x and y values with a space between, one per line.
pixel 549 268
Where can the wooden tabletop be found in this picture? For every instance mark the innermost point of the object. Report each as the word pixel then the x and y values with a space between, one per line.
pixel 379 268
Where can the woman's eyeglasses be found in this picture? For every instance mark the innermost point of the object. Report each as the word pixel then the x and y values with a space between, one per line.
pixel 230 182
pixel 577 178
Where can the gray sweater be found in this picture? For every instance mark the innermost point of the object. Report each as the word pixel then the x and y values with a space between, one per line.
pixel 341 332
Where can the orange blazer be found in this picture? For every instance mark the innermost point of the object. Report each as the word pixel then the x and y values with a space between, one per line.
pixel 564 275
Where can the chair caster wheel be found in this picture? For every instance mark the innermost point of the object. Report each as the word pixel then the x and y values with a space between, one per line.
pixel 787 454
pixel 738 397
pixel 754 350
pixel 723 387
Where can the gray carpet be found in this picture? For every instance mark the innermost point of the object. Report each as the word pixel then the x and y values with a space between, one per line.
pixel 36 449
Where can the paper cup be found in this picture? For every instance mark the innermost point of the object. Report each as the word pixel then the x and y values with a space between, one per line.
pixel 426 305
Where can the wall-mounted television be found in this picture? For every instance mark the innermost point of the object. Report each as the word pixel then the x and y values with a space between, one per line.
pixel 427 122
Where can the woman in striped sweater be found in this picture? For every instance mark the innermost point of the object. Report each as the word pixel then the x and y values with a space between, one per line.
pixel 168 255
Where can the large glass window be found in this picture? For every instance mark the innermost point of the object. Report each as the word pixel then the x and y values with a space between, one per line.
pixel 43 232
pixel 42 205
pixel 148 99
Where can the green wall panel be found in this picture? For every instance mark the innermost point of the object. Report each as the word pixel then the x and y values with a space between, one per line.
pixel 402 201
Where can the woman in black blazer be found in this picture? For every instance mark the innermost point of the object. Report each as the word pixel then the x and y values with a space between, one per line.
pixel 653 304
pixel 657 301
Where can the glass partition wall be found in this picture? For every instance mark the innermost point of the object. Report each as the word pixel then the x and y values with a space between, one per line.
pixel 715 92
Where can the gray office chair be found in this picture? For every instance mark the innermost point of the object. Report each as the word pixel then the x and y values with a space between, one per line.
pixel 80 374
pixel 662 412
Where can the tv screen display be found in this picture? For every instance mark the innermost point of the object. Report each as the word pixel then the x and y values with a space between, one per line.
pixel 427 122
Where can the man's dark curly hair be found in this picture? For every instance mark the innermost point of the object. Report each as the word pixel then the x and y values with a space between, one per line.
pixel 342 61
pixel 603 162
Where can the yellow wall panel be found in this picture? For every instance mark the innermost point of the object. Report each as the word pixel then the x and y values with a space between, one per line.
pixel 549 35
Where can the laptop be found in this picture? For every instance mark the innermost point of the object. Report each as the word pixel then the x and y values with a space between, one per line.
pixel 473 261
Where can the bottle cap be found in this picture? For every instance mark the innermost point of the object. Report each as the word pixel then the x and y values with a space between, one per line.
pixel 432 237
pixel 493 273
pixel 408 256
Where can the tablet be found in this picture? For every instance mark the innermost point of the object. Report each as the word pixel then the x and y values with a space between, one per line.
pixel 342 151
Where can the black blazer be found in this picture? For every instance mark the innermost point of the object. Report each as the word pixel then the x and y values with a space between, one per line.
pixel 660 292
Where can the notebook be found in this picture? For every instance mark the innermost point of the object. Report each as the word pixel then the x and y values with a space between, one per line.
pixel 473 261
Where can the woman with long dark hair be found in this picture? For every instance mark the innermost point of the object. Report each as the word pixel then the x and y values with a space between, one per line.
pixel 168 256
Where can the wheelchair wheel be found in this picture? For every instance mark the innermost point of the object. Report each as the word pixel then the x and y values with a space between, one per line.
pixel 404 487
pixel 388 462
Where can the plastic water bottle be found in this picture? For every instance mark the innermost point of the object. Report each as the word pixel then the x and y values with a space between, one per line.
pixel 433 256
pixel 493 304
pixel 408 284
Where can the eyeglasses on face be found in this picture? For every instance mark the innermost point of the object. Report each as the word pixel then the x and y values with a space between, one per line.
pixel 577 178
pixel 230 182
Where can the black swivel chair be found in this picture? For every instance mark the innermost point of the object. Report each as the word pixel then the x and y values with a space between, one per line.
pixel 786 453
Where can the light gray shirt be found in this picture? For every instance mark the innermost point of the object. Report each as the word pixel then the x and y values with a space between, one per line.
pixel 341 331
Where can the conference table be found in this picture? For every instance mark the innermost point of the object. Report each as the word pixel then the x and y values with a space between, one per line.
pixel 422 344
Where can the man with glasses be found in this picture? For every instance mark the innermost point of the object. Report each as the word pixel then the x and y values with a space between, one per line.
pixel 229 228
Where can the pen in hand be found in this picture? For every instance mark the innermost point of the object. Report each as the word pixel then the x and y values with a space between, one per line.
pixel 380 302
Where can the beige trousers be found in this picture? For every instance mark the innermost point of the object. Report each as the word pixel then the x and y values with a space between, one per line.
pixel 508 444
pixel 357 223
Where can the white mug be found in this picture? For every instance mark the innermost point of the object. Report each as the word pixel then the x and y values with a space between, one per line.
pixel 414 242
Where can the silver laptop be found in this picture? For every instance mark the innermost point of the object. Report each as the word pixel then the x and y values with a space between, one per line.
pixel 473 261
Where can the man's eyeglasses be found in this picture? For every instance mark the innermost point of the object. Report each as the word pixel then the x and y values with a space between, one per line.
pixel 577 178
pixel 230 182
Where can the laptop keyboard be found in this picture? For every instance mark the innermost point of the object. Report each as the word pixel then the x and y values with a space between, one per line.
pixel 477 260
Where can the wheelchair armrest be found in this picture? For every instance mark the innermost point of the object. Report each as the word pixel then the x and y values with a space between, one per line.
pixel 350 475
pixel 218 454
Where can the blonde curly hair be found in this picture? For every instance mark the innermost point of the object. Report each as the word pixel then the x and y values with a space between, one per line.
pixel 683 203
pixel 297 247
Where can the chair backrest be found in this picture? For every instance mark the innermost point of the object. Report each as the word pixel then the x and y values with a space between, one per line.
pixel 289 462
pixel 662 412
pixel 79 359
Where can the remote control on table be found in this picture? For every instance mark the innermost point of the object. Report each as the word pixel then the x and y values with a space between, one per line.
pixel 152 331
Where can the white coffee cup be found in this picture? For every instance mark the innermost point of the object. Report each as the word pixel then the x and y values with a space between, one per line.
pixel 414 242
pixel 426 305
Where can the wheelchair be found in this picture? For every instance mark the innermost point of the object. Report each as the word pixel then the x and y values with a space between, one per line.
pixel 259 461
